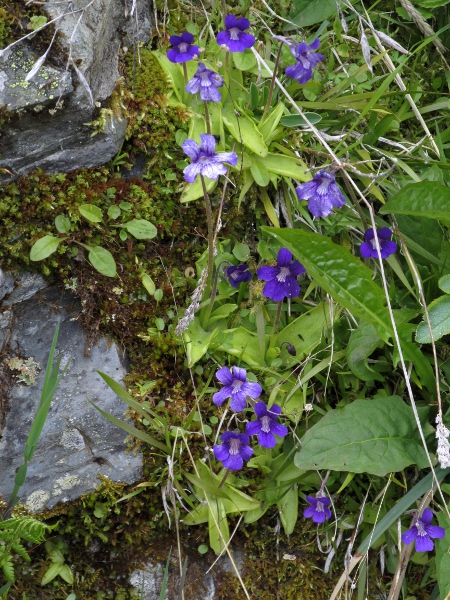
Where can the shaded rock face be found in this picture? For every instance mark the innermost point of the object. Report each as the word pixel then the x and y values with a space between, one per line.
pixel 77 443
pixel 53 107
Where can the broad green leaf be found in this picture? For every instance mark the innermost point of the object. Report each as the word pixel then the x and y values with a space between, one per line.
pixel 444 284
pixel 141 229
pixel 91 213
pixel 425 199
pixel 269 208
pixel 148 283
pixel 52 572
pixel 308 12
pixel 197 341
pixel 44 247
pixel 299 121
pixel 244 345
pixel 376 436
pixel 306 331
pixel 431 4
pixel 259 173
pixel 244 60
pixel 443 557
pixel 363 341
pixel 102 260
pixel 241 252
pixel 62 224
pixel 439 313
pixel 174 73
pixel 219 535
pixel 114 212
pixel 340 274
pixel 268 126
pixel 244 130
pixel 194 191
pixel 288 509
pixel 223 312
pixel 287 166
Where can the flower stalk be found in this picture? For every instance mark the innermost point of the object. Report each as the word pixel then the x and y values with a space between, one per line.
pixel 272 85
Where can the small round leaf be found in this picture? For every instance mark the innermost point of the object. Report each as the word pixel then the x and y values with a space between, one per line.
pixel 44 247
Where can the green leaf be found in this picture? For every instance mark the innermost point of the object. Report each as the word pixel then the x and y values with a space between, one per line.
pixel 114 212
pixel 376 436
pixel 194 191
pixel 299 121
pixel 244 60
pixel 219 535
pixel 432 4
pixel 62 224
pixel 443 557
pixel 244 130
pixel 425 199
pixel 268 126
pixel 51 573
pixel 308 12
pixel 287 166
pixel 102 260
pixel 444 284
pixel 44 247
pixel 439 313
pixel 197 341
pixel 340 274
pixel 288 509
pixel 141 229
pixel 241 252
pixel 148 283
pixel 363 341
pixel 259 173
pixel 91 213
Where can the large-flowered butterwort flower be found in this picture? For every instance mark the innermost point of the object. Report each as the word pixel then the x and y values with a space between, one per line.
pixel 206 82
pixel 322 192
pixel 234 36
pixel 281 279
pixel 237 274
pixel 205 160
pixel 422 532
pixel 266 426
pixel 234 450
pixel 318 510
pixel 306 61
pixel 182 49
pixel 235 387
pixel 368 248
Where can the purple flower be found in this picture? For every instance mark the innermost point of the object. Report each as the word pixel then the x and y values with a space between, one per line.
pixel 318 510
pixel 235 387
pixel 368 248
pixel 238 274
pixel 266 426
pixel 234 36
pixel 205 160
pixel 234 450
pixel 282 279
pixel 306 61
pixel 422 532
pixel 322 192
pixel 182 50
pixel 206 82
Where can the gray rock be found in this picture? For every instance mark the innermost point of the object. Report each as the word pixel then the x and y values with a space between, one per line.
pixel 53 135
pixel 6 284
pixel 77 443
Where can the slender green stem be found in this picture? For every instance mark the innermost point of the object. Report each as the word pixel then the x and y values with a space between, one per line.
pixel 275 324
pixel 228 471
pixel 209 221
pixel 207 119
pixel 185 73
pixel 272 85
pixel 224 9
